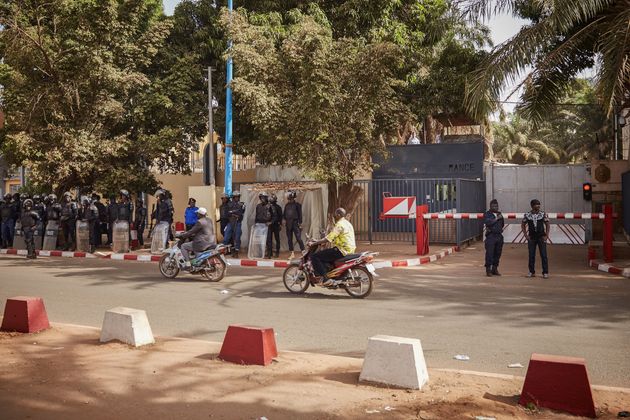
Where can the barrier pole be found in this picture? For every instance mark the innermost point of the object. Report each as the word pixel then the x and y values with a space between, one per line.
pixel 608 233
pixel 422 230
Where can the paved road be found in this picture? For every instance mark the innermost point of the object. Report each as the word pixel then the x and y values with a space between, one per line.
pixel 449 305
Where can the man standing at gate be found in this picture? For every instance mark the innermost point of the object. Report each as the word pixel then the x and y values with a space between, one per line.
pixel 494 222
pixel 535 227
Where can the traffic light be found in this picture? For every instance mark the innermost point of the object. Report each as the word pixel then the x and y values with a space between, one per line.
pixel 587 191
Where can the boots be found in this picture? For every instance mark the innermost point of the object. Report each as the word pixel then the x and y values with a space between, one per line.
pixel 495 272
pixel 488 272
pixel 276 254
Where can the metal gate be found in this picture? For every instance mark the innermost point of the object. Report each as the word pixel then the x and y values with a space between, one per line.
pixel 441 195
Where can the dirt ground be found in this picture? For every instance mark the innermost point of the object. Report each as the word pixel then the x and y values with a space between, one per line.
pixel 65 373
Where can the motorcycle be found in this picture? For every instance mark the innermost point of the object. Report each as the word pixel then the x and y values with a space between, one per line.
pixel 211 264
pixel 354 273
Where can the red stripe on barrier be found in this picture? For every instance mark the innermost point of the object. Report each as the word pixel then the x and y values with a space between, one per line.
pixel 130 257
pixel 155 258
pixel 80 254
pixel 12 251
pixel 399 264
pixel 280 264
pixel 56 253
pixel 425 260
pixel 249 263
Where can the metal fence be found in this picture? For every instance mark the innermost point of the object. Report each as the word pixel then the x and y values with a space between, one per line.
pixel 441 195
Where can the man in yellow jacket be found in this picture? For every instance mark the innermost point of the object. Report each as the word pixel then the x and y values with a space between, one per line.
pixel 343 243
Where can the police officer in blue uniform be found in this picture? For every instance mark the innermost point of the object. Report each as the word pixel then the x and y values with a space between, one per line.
pixel 494 222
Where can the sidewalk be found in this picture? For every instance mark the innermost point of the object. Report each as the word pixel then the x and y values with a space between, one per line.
pixel 390 255
pixel 65 373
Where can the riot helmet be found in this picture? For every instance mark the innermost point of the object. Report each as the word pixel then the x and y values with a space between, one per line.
pixel 28 204
pixel 273 198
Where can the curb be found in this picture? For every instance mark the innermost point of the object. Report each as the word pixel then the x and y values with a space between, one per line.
pixel 233 262
pixel 607 268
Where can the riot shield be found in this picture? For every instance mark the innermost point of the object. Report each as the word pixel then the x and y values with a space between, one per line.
pixel 38 235
pixel 18 238
pixel 120 236
pixel 83 236
pixel 50 237
pixel 258 241
pixel 159 237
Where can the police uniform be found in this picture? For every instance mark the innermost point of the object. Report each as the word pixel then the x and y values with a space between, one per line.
pixel 494 239
pixel 536 230
pixel 236 211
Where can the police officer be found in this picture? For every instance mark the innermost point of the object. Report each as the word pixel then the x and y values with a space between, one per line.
pixel 53 213
pixel 164 210
pixel 101 224
pixel 29 220
pixel 39 207
pixel 494 222
pixel 89 213
pixel 224 218
pixel 125 207
pixel 140 219
pixel 274 227
pixel 236 212
pixel 293 219
pixel 68 220
pixel 535 228
pixel 7 218
pixel 112 214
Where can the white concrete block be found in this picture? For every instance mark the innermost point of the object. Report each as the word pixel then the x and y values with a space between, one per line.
pixel 128 325
pixel 395 361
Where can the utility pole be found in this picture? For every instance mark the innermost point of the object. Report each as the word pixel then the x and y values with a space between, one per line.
pixel 211 148
pixel 228 116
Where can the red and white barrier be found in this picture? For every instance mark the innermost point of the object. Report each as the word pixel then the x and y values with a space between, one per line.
pixel 65 254
pixel 607 268
pixel 479 216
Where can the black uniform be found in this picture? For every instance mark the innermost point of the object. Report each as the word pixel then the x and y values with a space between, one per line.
pixel 29 220
pixel 141 222
pixel 224 217
pixel 7 217
pixel 125 212
pixel 164 213
pixel 89 214
pixel 274 228
pixel 293 217
pixel 53 214
pixel 101 225
pixel 236 212
pixel 68 223
pixel 112 214
pixel 536 230
pixel 494 239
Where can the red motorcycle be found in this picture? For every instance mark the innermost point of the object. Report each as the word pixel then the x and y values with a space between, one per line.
pixel 354 273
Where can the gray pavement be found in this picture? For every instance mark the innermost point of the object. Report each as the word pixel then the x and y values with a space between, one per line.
pixel 450 305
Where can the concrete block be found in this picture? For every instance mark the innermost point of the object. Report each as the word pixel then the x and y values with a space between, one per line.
pixel 249 345
pixel 128 325
pixel 395 361
pixel 25 314
pixel 559 383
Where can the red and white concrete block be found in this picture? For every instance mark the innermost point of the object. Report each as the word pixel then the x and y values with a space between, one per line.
pixel 65 254
pixel 416 261
pixel 478 216
pixel 608 268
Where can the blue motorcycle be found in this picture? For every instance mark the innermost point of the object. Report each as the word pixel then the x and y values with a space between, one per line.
pixel 211 264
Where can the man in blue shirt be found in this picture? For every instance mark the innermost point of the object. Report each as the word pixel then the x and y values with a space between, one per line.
pixel 494 222
pixel 190 217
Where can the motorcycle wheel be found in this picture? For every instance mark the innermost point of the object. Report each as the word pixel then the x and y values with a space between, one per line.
pixel 215 271
pixel 295 279
pixel 361 286
pixel 168 267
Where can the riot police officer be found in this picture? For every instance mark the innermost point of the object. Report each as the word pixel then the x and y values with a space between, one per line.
pixel 164 210
pixel 125 207
pixel 112 214
pixel 68 220
pixel 7 217
pixel 101 225
pixel 140 219
pixel 53 215
pixel 274 227
pixel 29 220
pixel 293 219
pixel 494 222
pixel 236 212
pixel 224 217
pixel 89 213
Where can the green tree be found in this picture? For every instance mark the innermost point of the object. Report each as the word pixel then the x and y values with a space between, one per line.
pixel 322 104
pixel 86 104
pixel 564 37
pixel 515 142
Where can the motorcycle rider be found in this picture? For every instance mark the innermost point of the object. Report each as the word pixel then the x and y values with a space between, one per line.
pixel 29 220
pixel 7 217
pixel 68 220
pixel 140 219
pixel 89 213
pixel 224 217
pixel 202 236
pixel 274 227
pixel 293 219
pixel 236 212
pixel 342 239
